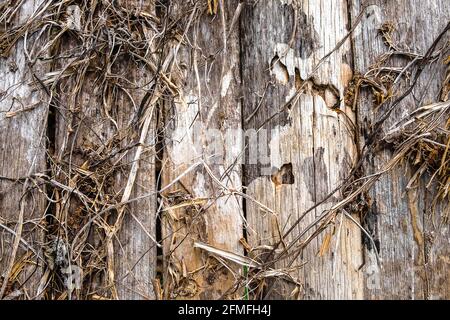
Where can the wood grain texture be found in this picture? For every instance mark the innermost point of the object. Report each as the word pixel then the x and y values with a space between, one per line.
pixel 413 242
pixel 135 248
pixel 222 123
pixel 197 125
pixel 95 132
pixel 23 115
pixel 309 136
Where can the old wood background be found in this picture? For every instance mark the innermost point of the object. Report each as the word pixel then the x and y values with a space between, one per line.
pixel 100 170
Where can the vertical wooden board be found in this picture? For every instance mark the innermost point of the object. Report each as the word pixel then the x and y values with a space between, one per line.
pixel 23 115
pixel 413 266
pixel 95 132
pixel 203 124
pixel 135 249
pixel 309 137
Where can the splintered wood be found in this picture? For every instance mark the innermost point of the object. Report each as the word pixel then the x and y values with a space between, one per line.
pixel 310 144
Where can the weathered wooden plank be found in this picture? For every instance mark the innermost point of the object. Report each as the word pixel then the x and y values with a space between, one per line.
pixel 96 143
pixel 311 147
pixel 23 115
pixel 413 243
pixel 135 249
pixel 202 124
pixel 137 238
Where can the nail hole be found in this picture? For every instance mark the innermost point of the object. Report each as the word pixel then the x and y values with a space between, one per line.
pixel 279 70
pixel 298 79
pixel 283 175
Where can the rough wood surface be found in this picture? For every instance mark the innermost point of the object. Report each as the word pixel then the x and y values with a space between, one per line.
pixel 157 139
pixel 23 116
pixel 310 145
pixel 135 248
pixel 413 242
pixel 197 123
pixel 93 121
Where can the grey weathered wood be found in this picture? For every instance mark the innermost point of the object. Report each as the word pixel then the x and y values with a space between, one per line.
pixel 23 115
pixel 226 79
pixel 90 125
pixel 312 138
pixel 414 267
pixel 208 71
pixel 135 249
pixel 135 255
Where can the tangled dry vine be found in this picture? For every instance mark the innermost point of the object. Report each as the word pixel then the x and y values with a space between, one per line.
pixel 110 76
